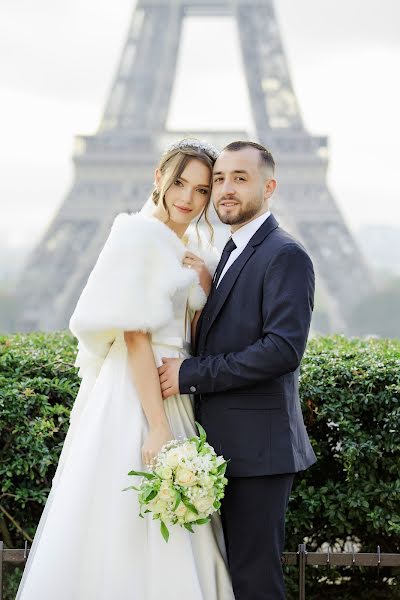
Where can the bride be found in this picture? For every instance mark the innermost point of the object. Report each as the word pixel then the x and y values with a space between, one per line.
pixel 141 302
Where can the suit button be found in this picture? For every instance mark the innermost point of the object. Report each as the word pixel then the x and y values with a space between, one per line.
pixel 193 388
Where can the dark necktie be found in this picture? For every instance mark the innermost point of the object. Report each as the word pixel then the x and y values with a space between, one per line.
pixel 229 246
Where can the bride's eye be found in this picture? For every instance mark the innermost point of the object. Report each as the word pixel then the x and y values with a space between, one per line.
pixel 203 191
pixel 178 183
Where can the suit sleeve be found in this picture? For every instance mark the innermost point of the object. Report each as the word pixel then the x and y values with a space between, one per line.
pixel 287 304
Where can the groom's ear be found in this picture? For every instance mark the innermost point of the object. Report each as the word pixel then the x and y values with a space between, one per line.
pixel 269 187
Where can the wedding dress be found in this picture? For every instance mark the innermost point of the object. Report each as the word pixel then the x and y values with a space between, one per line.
pixel 90 543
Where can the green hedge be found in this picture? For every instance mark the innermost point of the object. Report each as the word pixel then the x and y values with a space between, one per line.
pixel 350 391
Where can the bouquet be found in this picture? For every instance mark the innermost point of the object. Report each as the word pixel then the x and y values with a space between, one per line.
pixel 185 485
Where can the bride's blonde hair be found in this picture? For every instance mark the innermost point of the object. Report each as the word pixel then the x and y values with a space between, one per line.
pixel 172 164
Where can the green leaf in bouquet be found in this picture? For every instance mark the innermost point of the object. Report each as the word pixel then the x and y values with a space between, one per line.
pixel 164 531
pixel 222 468
pixel 203 451
pixel 202 433
pixel 151 494
pixel 189 505
pixel 217 504
pixel 189 527
pixel 178 499
pixel 202 521
pixel 143 474
pixel 131 487
pixel 144 491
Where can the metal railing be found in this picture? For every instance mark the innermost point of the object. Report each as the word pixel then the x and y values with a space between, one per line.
pixel 301 559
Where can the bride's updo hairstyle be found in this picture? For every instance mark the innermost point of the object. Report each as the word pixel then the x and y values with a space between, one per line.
pixel 172 164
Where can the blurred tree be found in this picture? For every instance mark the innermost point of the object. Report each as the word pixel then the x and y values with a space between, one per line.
pixel 7 310
pixel 379 313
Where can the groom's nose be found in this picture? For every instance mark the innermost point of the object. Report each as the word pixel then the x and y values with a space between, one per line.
pixel 228 188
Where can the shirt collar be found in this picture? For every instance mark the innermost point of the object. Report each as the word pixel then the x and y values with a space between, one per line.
pixel 243 235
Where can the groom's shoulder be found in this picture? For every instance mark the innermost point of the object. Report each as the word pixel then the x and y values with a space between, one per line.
pixel 281 238
pixel 283 241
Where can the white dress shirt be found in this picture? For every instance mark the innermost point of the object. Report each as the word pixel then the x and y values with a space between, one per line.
pixel 241 237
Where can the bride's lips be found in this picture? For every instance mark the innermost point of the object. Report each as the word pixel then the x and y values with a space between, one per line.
pixel 182 209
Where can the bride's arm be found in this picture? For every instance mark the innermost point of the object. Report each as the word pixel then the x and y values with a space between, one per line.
pixel 146 379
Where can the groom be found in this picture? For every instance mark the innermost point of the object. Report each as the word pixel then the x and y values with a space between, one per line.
pixel 250 340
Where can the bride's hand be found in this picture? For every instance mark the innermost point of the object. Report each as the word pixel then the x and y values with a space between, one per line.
pixel 191 261
pixel 155 439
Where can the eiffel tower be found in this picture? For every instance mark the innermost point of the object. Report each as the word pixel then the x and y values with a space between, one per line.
pixel 114 167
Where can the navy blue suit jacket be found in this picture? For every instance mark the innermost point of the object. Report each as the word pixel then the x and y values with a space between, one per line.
pixel 250 340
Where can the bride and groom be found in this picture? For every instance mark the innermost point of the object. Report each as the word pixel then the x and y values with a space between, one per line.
pixel 168 332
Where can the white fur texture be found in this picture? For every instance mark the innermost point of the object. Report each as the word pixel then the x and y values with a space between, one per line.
pixel 197 297
pixel 131 285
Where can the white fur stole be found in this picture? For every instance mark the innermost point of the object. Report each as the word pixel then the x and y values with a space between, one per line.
pixel 132 284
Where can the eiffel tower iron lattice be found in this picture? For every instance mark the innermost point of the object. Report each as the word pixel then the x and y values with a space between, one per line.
pixel 114 167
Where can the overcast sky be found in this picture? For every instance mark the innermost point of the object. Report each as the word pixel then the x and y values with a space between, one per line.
pixel 58 58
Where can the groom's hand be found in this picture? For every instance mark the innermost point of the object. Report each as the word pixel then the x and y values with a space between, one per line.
pixel 169 376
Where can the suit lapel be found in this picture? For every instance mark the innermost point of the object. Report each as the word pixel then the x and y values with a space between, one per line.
pixel 220 295
pixel 224 288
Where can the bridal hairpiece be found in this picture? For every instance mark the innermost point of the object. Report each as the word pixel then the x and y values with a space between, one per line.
pixel 199 145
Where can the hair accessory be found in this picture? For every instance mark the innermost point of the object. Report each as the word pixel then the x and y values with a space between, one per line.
pixel 199 145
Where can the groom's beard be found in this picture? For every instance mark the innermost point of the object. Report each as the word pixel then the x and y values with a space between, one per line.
pixel 241 215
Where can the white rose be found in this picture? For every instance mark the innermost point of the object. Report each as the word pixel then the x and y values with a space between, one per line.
pixel 166 493
pixel 190 516
pixel 165 472
pixel 181 510
pixel 173 457
pixel 203 504
pixel 206 481
pixel 189 449
pixel 185 476
pixel 157 506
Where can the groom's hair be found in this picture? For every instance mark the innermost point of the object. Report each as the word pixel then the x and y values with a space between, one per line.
pixel 266 158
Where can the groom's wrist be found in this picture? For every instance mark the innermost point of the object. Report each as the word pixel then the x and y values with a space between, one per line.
pixel 187 377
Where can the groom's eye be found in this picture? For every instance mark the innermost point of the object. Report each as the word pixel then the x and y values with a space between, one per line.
pixel 217 179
